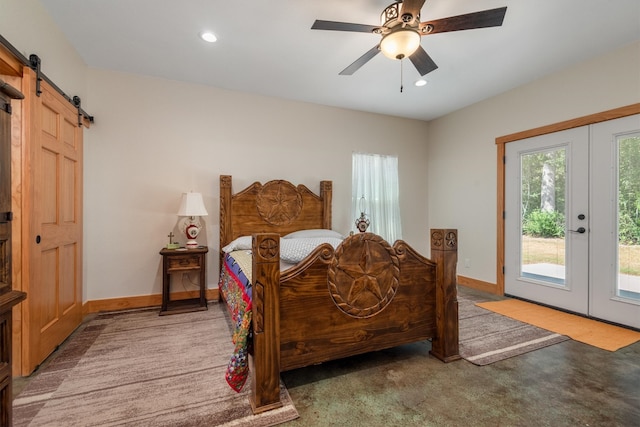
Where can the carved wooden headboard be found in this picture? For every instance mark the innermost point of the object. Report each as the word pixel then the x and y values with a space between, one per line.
pixel 274 207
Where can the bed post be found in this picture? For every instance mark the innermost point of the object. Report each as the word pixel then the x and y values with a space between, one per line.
pixel 326 188
pixel 265 362
pixel 225 214
pixel 444 251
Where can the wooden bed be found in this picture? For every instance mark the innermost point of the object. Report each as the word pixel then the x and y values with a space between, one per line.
pixel 308 313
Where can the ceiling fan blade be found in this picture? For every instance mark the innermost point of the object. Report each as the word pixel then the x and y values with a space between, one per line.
pixel 412 6
pixel 484 19
pixel 360 61
pixel 343 26
pixel 422 61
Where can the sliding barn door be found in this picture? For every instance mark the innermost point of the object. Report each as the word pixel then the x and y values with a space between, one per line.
pixel 54 287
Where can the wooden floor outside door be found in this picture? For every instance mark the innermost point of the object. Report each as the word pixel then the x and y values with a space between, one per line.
pixel 54 238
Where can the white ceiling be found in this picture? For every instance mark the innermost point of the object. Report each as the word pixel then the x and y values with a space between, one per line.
pixel 267 47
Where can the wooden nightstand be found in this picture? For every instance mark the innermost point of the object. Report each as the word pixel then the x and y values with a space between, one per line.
pixel 182 261
pixel 8 299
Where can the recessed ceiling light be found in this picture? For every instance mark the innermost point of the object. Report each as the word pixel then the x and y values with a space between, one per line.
pixel 420 82
pixel 208 36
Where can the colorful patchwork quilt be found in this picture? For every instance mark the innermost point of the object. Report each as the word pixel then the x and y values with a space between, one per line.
pixel 235 286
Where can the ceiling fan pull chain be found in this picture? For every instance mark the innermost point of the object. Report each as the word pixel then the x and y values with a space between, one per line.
pixel 401 83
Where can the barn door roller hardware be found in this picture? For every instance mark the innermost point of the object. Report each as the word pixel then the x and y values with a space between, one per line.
pixel 77 102
pixel 33 62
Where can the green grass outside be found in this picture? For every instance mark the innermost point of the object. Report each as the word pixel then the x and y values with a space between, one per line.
pixel 539 249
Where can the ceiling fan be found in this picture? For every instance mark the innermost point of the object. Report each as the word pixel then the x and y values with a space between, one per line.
pixel 401 31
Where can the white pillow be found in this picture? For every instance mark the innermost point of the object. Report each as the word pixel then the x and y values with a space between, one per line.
pixel 317 232
pixel 241 243
pixel 296 249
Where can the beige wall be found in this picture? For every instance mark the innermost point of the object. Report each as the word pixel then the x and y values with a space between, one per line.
pixel 154 139
pixel 462 145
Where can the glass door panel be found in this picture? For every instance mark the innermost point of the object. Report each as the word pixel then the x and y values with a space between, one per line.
pixel 628 183
pixel 542 196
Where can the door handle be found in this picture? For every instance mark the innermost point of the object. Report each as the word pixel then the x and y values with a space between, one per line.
pixel 580 230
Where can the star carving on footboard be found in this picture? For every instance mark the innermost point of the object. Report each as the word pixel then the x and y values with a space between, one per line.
pixel 444 239
pixel 363 276
pixel 268 248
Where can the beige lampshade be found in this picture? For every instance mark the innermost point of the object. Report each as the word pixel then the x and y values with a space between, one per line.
pixel 400 43
pixel 192 205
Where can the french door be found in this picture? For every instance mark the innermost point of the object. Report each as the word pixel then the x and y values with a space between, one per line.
pixel 615 252
pixel 572 220
pixel 546 195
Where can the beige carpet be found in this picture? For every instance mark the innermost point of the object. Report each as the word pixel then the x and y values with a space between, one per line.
pixel 141 369
pixel 592 332
pixel 486 337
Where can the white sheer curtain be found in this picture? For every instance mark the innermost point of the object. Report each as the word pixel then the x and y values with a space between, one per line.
pixel 376 178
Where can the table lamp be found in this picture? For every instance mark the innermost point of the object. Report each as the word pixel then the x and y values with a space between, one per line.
pixel 192 208
pixel 362 223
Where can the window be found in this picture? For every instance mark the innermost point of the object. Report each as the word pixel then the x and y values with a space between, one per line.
pixel 376 178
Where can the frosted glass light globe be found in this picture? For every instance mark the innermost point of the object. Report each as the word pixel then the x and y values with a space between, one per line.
pixel 400 43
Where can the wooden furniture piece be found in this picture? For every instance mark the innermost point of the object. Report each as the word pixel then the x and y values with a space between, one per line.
pixel 7 300
pixel 366 295
pixel 8 297
pixel 183 261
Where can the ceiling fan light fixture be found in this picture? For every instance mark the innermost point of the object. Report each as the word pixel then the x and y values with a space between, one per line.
pixel 400 43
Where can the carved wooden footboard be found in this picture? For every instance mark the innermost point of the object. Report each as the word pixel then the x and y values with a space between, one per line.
pixel 363 297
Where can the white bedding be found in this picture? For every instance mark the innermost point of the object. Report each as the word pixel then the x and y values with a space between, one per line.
pixel 292 249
